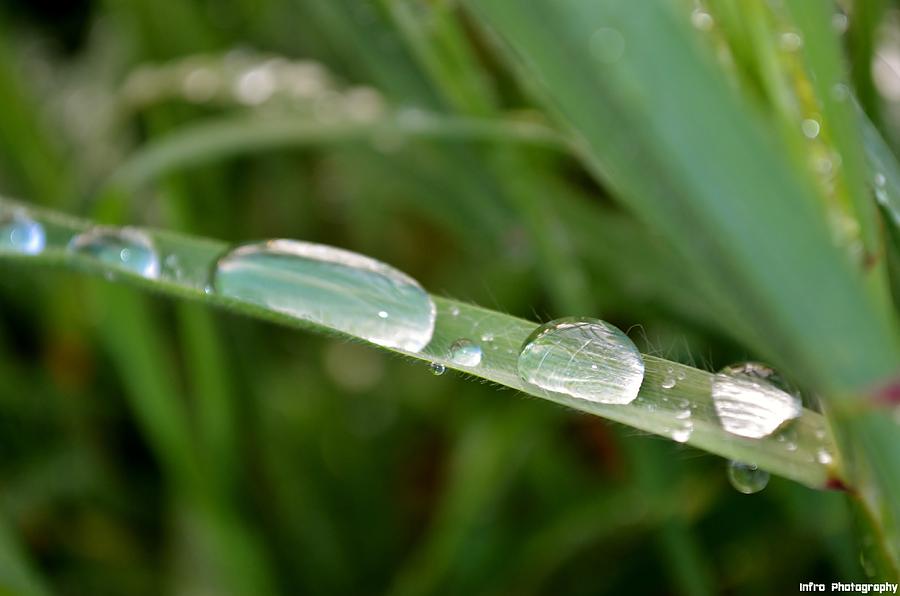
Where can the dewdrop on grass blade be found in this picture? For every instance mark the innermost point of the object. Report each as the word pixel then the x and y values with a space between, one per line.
pixel 127 249
pixel 332 287
pixel 584 358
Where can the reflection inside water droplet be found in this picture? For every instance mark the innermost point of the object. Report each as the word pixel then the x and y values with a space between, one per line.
pixel 582 357
pixel 748 404
pixel 437 368
pixel 21 234
pixel 332 287
pixel 465 352
pixel 747 478
pixel 124 248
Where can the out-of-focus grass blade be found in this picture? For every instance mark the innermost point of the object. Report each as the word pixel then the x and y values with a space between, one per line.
pixel 699 165
pixel 825 63
pixel 238 135
pixel 16 575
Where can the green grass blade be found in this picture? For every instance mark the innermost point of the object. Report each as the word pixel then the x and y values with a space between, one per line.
pixel 654 411
pixel 239 135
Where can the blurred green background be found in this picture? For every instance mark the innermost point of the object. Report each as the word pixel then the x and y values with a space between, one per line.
pixel 152 447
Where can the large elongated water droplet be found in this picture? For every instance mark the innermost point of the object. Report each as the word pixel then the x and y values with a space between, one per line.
pixel 123 248
pixel 21 234
pixel 585 358
pixel 749 404
pixel 332 287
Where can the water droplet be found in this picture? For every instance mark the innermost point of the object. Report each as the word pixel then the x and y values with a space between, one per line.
pixel 669 380
pixel 790 41
pixel 824 457
pixel 840 92
pixel 810 128
pixel 125 248
pixel 21 234
pixel 332 287
pixel 749 404
pixel 839 22
pixel 437 369
pixel 465 352
pixel 607 45
pixel 683 434
pixel 747 478
pixel 200 85
pixel 454 311
pixel 487 337
pixel 880 180
pixel 255 86
pixel 558 356
pixel 701 19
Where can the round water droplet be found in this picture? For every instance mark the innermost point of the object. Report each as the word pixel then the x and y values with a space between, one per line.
pixel 810 128
pixel 487 337
pixel 607 45
pixel 437 368
pixel 839 23
pixel 701 19
pixel 747 478
pixel 560 356
pixel 749 404
pixel 332 287
pixel 840 92
pixel 454 311
pixel 683 433
pixel 824 457
pixel 21 234
pixel 880 179
pixel 124 248
pixel 790 41
pixel 465 352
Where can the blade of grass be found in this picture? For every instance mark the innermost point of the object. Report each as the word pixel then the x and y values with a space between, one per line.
pixel 238 135
pixel 499 365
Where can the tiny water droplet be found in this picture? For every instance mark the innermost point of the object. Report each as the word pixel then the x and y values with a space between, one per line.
pixel 21 234
pixel 437 369
pixel 747 478
pixel 810 128
pixel 880 179
pixel 749 404
pixel 332 287
pixel 465 352
pixel 124 248
pixel 607 45
pixel 669 380
pixel 824 457
pixel 790 41
pixel 701 19
pixel 454 311
pixel 840 92
pixel 560 356
pixel 683 434
pixel 487 337
pixel 839 22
